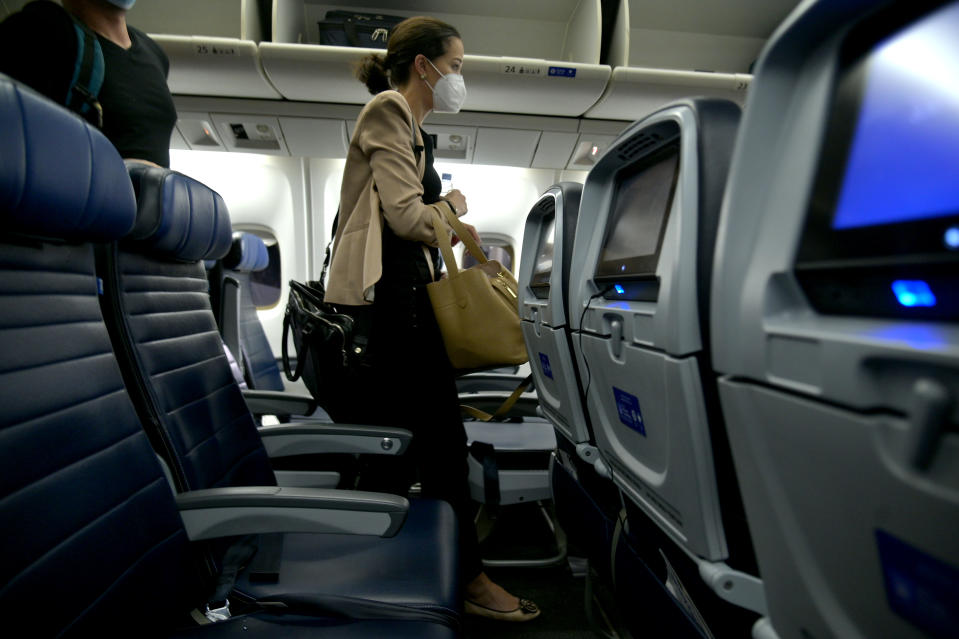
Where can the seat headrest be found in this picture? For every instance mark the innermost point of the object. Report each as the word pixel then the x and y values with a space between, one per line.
pixel 59 177
pixel 177 217
pixel 247 254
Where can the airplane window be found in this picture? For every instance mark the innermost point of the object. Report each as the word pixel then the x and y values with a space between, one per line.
pixel 502 253
pixel 266 285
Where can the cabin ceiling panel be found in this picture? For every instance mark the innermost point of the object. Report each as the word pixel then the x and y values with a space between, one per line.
pixel 554 150
pixel 505 147
pixel 314 137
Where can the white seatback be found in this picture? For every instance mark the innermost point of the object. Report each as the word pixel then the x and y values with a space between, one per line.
pixel 543 308
pixel 841 402
pixel 639 342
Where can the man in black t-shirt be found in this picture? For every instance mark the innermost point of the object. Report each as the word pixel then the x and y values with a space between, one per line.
pixel 138 110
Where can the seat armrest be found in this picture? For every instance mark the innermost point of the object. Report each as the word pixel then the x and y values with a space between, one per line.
pixel 264 402
pixel 305 439
pixel 247 510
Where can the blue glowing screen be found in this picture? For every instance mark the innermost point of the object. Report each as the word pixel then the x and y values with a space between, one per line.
pixel 904 159
pixel 913 293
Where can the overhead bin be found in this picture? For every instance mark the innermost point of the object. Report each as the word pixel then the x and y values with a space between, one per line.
pixel 633 93
pixel 524 85
pixel 502 85
pixel 314 73
pixel 202 65
pixel 546 29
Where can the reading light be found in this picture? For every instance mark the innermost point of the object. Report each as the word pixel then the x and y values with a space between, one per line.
pixel 951 237
pixel 912 293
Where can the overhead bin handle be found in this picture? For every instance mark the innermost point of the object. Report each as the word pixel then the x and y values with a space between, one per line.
pixel 933 405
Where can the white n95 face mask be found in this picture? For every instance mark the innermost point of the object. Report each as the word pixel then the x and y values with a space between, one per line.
pixel 449 94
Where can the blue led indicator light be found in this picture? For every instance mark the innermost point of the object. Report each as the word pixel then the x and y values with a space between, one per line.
pixel 913 293
pixel 620 289
pixel 622 267
pixel 952 237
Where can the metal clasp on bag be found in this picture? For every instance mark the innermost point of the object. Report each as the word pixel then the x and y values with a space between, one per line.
pixel 218 614
pixel 502 276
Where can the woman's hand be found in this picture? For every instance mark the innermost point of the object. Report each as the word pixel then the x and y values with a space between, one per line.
pixel 458 200
pixel 473 232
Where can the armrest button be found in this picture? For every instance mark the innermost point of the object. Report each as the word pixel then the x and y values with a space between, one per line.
pixel 387 443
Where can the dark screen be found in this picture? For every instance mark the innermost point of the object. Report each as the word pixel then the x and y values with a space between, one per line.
pixel 544 257
pixel 642 201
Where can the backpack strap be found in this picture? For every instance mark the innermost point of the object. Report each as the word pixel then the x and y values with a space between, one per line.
pixel 88 72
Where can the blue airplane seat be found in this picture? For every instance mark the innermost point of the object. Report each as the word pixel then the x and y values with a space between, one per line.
pixel 835 320
pixel 639 309
pixel 158 310
pixel 248 255
pixel 587 502
pixel 92 539
pixel 231 295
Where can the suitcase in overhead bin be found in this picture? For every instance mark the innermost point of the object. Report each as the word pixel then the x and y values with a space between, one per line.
pixel 348 29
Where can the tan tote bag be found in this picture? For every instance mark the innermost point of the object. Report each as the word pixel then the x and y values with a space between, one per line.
pixel 476 308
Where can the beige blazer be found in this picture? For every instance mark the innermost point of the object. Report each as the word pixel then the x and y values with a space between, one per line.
pixel 382 180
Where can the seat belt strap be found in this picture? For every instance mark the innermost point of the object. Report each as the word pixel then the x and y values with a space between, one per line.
pixel 504 408
pixel 265 565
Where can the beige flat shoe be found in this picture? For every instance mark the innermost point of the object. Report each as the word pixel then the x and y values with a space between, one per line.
pixel 526 611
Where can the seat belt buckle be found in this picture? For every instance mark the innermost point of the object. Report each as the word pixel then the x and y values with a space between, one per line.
pixel 218 614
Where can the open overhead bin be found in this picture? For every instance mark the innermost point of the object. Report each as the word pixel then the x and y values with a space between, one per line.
pixel 536 56
pixel 663 50
pixel 202 65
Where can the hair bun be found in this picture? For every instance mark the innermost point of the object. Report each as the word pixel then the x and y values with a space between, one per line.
pixel 372 71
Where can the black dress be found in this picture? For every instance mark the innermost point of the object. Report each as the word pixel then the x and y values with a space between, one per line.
pixel 411 384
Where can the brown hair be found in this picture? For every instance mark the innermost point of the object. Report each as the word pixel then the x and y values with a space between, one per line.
pixel 408 39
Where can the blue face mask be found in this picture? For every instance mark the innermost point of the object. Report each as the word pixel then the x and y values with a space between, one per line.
pixel 123 4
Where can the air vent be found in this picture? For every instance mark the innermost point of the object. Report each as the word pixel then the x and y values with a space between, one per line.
pixel 648 139
pixel 639 144
pixel 546 205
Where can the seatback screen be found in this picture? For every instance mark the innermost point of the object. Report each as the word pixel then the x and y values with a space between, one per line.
pixel 641 203
pixel 903 161
pixel 543 268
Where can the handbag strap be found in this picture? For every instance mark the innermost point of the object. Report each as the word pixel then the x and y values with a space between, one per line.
pixel 301 357
pixel 504 408
pixel 460 230
pixel 326 260
pixel 446 247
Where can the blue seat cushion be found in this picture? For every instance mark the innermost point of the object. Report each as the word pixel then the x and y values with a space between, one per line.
pixel 247 254
pixel 59 177
pixel 392 570
pixel 178 218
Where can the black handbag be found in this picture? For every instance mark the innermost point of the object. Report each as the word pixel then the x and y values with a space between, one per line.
pixel 348 29
pixel 329 348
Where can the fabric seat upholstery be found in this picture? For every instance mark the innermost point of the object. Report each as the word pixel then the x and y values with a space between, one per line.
pixel 91 537
pixel 155 287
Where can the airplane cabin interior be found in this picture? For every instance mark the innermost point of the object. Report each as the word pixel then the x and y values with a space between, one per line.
pixel 734 230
